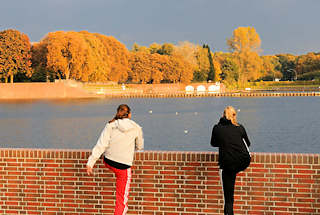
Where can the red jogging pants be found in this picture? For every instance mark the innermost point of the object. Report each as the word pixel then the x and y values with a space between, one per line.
pixel 122 189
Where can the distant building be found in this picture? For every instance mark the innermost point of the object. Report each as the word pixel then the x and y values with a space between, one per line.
pixel 201 89
pixel 215 88
pixel 189 89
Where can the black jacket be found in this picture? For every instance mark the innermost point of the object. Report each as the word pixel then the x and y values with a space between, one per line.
pixel 233 153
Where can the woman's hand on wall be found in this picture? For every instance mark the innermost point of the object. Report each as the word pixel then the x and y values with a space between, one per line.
pixel 89 170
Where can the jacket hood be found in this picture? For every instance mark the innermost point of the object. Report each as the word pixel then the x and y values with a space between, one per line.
pixel 225 121
pixel 125 125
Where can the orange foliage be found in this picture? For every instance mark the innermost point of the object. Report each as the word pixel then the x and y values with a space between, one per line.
pixel 180 71
pixel 154 68
pixel 118 56
pixel 308 63
pixel 245 44
pixel 96 67
pixel 140 67
pixel 14 54
pixel 86 57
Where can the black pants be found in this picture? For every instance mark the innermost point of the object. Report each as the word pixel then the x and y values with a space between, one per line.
pixel 228 181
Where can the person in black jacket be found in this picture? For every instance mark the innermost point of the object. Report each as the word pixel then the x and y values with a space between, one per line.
pixel 234 155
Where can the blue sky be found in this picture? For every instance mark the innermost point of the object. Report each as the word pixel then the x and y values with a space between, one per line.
pixel 284 26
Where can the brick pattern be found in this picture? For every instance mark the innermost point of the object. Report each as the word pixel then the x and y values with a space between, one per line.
pixel 36 181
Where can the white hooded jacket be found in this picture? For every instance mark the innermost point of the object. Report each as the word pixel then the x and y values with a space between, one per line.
pixel 118 141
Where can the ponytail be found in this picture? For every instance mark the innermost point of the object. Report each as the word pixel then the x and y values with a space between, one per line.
pixel 231 114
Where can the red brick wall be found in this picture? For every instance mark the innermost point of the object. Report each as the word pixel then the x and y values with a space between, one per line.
pixel 55 182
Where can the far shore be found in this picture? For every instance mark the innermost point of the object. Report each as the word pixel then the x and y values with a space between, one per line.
pixel 75 90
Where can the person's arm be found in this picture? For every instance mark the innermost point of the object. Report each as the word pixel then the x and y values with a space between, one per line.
pixel 213 141
pixel 245 136
pixel 100 147
pixel 139 141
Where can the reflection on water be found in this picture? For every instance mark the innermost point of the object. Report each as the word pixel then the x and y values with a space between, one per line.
pixel 274 124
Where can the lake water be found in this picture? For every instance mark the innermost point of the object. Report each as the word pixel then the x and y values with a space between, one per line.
pixel 274 124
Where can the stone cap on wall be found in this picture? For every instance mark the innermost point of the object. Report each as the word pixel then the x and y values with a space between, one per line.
pixel 257 157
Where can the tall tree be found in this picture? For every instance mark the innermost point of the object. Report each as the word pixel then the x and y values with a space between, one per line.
pixel 15 54
pixel 217 70
pixel 39 63
pixel 58 56
pixel 211 74
pixel 229 72
pixel 245 45
pixel 203 65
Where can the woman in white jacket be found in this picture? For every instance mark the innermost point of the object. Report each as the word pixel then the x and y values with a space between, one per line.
pixel 118 141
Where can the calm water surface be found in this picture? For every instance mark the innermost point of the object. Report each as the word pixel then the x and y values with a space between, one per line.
pixel 274 124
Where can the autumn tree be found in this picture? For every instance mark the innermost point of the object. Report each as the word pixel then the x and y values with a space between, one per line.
pixel 140 67
pixel 203 64
pixel 186 72
pixel 118 58
pixel 217 69
pixel 188 51
pixel 39 63
pixel 308 66
pixel 85 56
pixel 56 60
pixel 287 66
pixel 211 73
pixel 245 45
pixel 180 71
pixel 270 68
pixel 148 68
pixel 65 54
pixel 155 68
pixel 229 71
pixel 159 67
pixel 14 54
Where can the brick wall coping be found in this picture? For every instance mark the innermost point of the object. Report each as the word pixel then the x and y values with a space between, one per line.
pixel 258 157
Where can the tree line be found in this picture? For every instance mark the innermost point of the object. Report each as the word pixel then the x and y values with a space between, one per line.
pixel 93 57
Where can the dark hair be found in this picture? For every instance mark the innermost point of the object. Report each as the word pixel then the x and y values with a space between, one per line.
pixel 123 112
